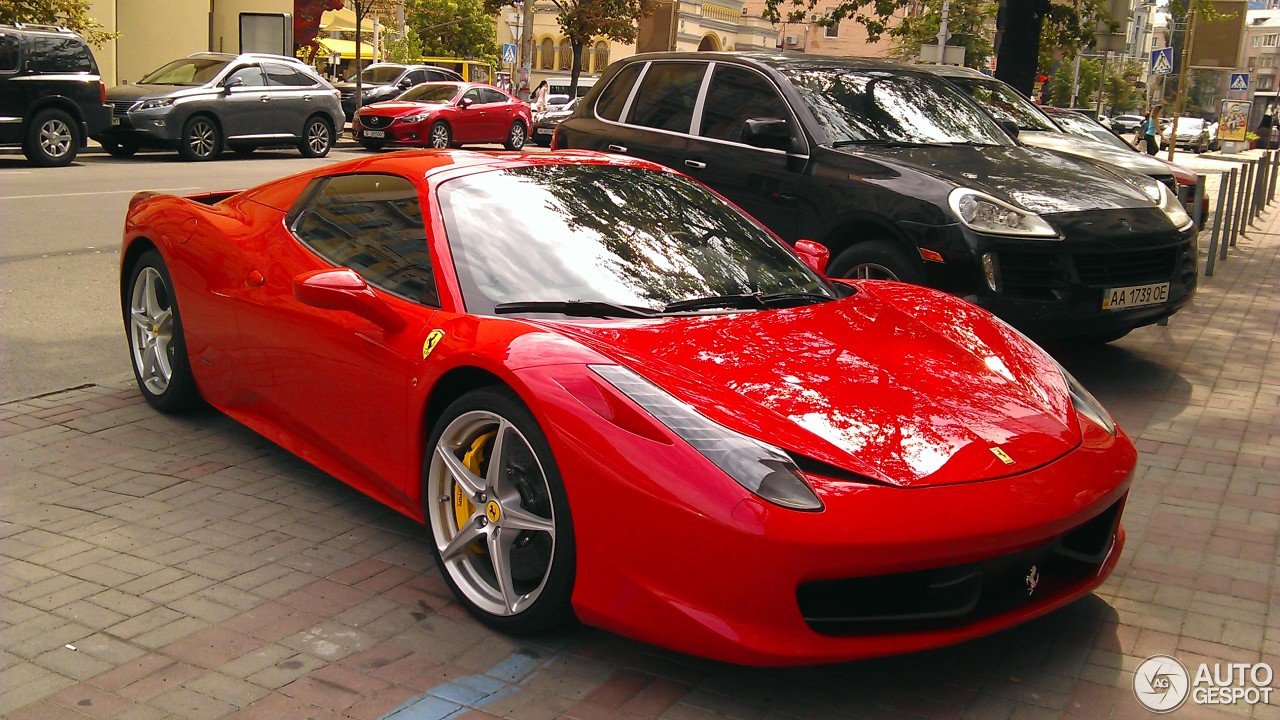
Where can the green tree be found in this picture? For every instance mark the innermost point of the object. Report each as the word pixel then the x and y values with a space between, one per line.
pixel 454 28
pixel 72 14
pixel 406 48
pixel 967 21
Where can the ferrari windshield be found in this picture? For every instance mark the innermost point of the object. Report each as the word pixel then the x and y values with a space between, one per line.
pixel 187 71
pixel 868 107
pixel 429 93
pixel 1004 103
pixel 610 236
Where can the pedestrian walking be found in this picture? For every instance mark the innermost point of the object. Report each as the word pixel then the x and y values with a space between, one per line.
pixel 1149 132
pixel 540 94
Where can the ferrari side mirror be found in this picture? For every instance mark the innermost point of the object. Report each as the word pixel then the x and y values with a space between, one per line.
pixel 344 289
pixel 814 255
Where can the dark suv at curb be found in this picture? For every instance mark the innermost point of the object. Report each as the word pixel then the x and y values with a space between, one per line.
pixel 51 96
pixel 901 176
pixel 384 81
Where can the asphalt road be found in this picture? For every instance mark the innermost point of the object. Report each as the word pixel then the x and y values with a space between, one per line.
pixel 60 231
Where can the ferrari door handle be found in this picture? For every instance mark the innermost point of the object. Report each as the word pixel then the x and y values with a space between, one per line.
pixel 254 279
pixel 617 148
pixel 695 164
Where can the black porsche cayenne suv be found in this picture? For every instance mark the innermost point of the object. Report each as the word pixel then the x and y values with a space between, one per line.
pixel 902 176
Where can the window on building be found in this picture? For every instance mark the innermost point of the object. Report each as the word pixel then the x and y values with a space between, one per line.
pixel 1252 63
pixel 1257 41
pixel 602 56
pixel 373 225
pixel 1265 82
pixel 1267 61
pixel 566 54
pixel 833 30
pixel 547 58
pixel 1270 40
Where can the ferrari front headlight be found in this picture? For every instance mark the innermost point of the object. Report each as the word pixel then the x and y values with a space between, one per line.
pixel 761 468
pixel 986 214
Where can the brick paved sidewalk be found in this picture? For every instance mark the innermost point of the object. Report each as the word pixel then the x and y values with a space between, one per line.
pixel 184 567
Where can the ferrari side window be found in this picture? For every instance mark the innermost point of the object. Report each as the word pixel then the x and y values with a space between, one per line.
pixel 373 225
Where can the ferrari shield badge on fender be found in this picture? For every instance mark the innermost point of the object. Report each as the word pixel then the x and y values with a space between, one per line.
pixel 998 452
pixel 1032 580
pixel 433 339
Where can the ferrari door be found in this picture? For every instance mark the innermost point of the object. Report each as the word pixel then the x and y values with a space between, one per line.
pixel 336 379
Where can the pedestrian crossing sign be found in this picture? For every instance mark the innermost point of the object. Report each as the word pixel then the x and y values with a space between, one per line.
pixel 1162 61
pixel 1239 82
pixel 509 53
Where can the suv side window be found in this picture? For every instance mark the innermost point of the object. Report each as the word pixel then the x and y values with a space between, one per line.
pixel 252 76
pixel 372 224
pixel 614 97
pixel 735 96
pixel 10 52
pixel 278 74
pixel 416 77
pixel 60 55
pixel 667 95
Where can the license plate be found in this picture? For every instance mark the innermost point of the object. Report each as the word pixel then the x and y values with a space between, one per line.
pixel 374 133
pixel 546 131
pixel 115 121
pixel 1135 296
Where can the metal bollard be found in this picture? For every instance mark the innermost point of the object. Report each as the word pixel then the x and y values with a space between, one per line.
pixel 1218 220
pixel 1229 230
pixel 1242 215
pixel 1259 182
pixel 1197 208
pixel 1275 170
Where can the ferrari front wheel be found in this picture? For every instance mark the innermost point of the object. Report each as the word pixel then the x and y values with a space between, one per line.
pixel 498 514
pixel 156 344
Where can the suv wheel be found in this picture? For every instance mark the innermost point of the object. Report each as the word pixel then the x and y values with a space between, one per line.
pixel 53 139
pixel 875 260
pixel 201 139
pixel 317 138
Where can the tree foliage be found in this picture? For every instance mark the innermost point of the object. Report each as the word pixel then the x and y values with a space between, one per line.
pixel 454 28
pixel 406 48
pixel 73 14
pixel 967 21
pixel 306 24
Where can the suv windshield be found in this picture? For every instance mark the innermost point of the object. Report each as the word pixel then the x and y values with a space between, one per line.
pixel 429 93
pixel 378 74
pixel 875 106
pixel 606 235
pixel 187 71
pixel 1004 103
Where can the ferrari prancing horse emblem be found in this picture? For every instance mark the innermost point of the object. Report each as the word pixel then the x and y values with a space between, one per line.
pixel 1004 456
pixel 493 511
pixel 433 339
pixel 1032 580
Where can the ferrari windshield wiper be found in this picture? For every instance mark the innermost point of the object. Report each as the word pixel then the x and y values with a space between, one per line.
pixel 576 308
pixel 759 301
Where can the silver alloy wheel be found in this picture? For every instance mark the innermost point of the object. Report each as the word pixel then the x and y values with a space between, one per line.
pixel 151 330
pixel 439 136
pixel 871 271
pixel 517 136
pixel 203 138
pixel 55 138
pixel 318 137
pixel 500 556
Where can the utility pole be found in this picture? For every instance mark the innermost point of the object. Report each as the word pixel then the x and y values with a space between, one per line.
pixel 1188 40
pixel 1075 80
pixel 526 49
pixel 943 34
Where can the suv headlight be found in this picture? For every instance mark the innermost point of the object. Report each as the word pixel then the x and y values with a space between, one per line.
pixel 761 468
pixel 1086 404
pixel 986 214
pixel 156 104
pixel 1172 207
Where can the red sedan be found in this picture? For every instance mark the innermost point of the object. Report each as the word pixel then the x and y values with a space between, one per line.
pixel 444 114
pixel 610 395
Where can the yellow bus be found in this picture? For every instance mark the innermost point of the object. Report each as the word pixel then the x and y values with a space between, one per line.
pixel 470 70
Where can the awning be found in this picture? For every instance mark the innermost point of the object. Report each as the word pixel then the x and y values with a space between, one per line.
pixel 343 20
pixel 347 48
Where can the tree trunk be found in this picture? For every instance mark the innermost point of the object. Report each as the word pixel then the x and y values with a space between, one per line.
pixel 360 7
pixel 1019 56
pixel 576 70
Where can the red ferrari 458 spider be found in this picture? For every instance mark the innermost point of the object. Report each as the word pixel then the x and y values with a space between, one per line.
pixel 444 114
pixel 609 394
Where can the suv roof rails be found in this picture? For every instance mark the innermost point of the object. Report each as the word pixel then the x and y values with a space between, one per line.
pixel 271 56
pixel 44 28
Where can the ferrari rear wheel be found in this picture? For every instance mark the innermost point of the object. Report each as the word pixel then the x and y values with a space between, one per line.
pixel 156 344
pixel 439 136
pixel 498 513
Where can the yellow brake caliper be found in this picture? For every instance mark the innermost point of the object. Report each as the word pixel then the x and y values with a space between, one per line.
pixel 462 508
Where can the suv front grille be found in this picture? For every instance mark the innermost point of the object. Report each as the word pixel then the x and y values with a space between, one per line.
pixel 121 107
pixel 1127 268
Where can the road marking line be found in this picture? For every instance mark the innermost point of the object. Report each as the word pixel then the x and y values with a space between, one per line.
pixel 102 192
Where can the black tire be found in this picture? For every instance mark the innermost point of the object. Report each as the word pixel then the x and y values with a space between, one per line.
pixel 201 139
pixel 52 139
pixel 119 149
pixel 242 150
pixel 876 260
pixel 317 137
pixel 533 556
pixel 439 136
pixel 372 145
pixel 155 325
pixel 517 134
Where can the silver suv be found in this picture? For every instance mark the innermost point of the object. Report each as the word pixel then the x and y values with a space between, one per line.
pixel 204 101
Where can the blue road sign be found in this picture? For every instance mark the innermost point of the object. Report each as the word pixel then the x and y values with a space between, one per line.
pixel 509 53
pixel 1162 61
pixel 1239 82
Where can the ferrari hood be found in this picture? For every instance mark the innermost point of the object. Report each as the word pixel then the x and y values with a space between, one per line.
pixel 1040 181
pixel 865 384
